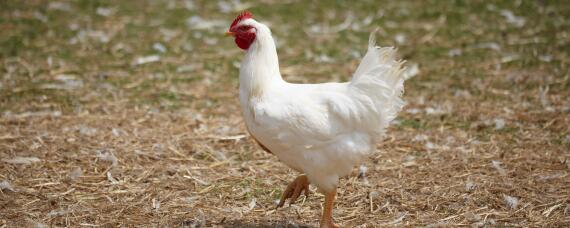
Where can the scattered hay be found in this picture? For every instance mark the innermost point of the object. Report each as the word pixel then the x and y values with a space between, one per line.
pixel 113 118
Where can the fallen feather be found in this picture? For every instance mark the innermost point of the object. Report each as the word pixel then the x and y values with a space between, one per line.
pixel 413 111
pixel 5 185
pixel 511 202
pixel 168 34
pixel 85 35
pixel 454 52
pixel 107 156
pixel 420 138
pixel 470 186
pixel 545 58
pixel 225 7
pixel 155 204
pixel 517 21
pixel 398 220
pixel 22 160
pixel 105 12
pixel 411 71
pixel 63 6
pixel 197 22
pixel 497 166
pixel 362 171
pixel 55 213
pixel 510 58
pixel 159 47
pixel 430 145
pixel 323 58
pixel 157 147
pixel 252 204
pixel 499 123
pixel 189 5
pixel 75 173
pixel 43 18
pixel 116 132
pixel 87 131
pixel 462 93
pixel 147 59
pixel 400 38
pixel 489 45
pixel 320 29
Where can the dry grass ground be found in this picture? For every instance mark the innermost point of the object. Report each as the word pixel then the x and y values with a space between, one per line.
pixel 116 113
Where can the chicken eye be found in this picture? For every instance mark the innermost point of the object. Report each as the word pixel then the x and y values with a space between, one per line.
pixel 244 28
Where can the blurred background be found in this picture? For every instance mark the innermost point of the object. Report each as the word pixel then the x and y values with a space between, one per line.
pixel 126 113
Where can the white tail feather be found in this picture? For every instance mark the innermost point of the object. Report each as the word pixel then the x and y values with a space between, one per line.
pixel 379 82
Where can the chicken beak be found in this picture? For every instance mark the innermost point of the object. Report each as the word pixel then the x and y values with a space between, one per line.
pixel 228 33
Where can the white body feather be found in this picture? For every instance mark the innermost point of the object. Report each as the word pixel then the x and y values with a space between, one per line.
pixel 322 130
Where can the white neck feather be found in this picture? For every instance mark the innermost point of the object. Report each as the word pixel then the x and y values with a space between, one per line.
pixel 260 67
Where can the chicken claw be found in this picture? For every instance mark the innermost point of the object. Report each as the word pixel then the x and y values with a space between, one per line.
pixel 294 189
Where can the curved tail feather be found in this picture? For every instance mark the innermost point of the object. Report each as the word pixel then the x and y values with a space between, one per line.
pixel 378 84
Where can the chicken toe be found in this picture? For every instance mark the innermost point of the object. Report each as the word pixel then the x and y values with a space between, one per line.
pixel 294 190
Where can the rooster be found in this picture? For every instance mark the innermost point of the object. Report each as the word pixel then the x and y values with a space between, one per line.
pixel 320 130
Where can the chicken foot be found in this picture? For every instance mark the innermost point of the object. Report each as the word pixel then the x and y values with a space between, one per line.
pixel 294 190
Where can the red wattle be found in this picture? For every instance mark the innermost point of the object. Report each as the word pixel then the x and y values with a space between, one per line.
pixel 243 41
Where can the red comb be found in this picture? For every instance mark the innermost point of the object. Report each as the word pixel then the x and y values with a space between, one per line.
pixel 242 16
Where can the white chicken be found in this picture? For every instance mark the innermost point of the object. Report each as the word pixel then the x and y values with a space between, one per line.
pixel 320 130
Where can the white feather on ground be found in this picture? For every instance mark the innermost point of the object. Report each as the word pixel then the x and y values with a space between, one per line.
pixel 5 185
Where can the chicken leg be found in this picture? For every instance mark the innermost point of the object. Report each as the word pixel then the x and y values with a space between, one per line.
pixel 294 189
pixel 327 219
